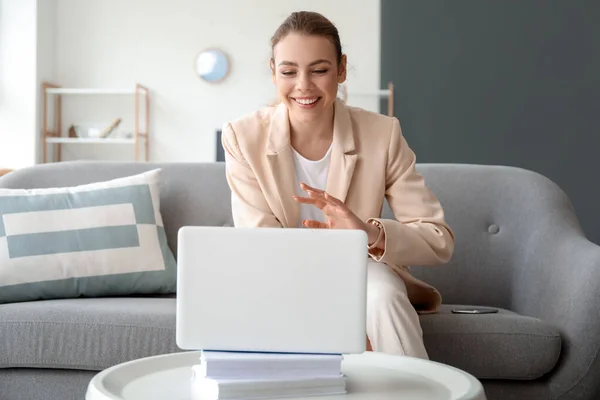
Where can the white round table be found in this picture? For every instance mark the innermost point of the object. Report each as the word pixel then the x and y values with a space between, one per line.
pixel 372 376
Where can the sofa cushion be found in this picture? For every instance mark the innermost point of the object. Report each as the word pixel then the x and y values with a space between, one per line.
pixel 100 239
pixel 505 345
pixel 86 333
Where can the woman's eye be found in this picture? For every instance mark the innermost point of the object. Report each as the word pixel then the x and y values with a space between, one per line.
pixel 320 71
pixel 288 73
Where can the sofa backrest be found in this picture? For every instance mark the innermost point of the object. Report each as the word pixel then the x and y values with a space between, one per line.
pixel 191 193
pixel 497 213
pixel 492 210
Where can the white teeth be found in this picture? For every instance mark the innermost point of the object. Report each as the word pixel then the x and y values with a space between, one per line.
pixel 307 101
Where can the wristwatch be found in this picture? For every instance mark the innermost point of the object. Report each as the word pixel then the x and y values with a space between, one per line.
pixel 379 225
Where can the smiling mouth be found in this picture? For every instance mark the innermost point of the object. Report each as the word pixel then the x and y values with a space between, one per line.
pixel 306 101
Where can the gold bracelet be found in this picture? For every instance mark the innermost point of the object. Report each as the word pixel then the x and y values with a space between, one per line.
pixel 380 227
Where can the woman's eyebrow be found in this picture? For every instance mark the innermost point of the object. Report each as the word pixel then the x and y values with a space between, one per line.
pixel 319 61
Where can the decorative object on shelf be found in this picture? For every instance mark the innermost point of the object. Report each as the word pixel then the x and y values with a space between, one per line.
pixel 73 132
pixel 212 65
pixel 79 134
pixel 109 129
pixel 388 93
pixel 95 130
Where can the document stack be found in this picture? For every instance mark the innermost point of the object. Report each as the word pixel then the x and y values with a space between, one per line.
pixel 250 376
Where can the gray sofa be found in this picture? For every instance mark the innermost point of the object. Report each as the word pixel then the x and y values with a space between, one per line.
pixel 519 247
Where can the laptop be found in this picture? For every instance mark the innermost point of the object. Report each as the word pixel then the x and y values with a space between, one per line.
pixel 290 290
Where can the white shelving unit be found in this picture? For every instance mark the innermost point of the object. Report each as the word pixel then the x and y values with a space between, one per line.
pixel 381 93
pixel 53 136
pixel 89 140
pixel 88 91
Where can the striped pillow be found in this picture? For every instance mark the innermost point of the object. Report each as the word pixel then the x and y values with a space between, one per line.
pixel 100 239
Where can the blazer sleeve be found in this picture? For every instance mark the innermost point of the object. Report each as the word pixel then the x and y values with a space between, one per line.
pixel 419 234
pixel 248 204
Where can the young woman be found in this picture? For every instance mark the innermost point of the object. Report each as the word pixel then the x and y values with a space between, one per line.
pixel 313 161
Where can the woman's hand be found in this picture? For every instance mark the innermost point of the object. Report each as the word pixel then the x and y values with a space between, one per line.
pixel 337 215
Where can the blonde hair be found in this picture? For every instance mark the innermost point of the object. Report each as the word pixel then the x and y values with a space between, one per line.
pixel 309 23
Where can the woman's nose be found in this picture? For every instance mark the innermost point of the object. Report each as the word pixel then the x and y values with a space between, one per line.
pixel 304 82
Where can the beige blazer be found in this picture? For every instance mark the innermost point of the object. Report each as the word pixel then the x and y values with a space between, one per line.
pixel 370 161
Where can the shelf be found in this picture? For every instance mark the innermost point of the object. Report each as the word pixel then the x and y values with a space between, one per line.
pixel 89 91
pixel 51 133
pixel 89 140
pixel 382 92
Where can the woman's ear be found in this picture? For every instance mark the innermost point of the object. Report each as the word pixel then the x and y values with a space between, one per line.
pixel 342 69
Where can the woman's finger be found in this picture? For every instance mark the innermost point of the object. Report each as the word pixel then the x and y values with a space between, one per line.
pixel 322 199
pixel 309 223
pixel 305 200
pixel 308 200
pixel 324 196
pixel 333 200
pixel 337 204
pixel 307 188
pixel 314 192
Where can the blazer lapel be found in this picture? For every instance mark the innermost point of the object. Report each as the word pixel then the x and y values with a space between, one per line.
pixel 343 153
pixel 281 163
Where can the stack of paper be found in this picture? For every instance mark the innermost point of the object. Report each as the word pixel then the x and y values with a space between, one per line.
pixel 246 376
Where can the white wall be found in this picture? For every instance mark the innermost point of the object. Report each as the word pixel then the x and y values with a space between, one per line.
pixel 115 43
pixel 18 90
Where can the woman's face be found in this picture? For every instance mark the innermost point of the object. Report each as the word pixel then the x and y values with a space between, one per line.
pixel 307 74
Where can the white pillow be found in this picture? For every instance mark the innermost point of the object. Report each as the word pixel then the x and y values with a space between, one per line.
pixel 100 239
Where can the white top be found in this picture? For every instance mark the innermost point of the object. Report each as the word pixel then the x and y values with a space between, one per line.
pixel 370 376
pixel 313 173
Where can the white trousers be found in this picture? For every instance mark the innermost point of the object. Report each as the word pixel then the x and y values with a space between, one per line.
pixel 393 325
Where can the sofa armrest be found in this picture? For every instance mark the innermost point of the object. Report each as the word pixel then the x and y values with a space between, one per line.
pixel 558 281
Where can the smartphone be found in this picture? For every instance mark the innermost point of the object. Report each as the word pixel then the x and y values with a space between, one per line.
pixel 474 310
